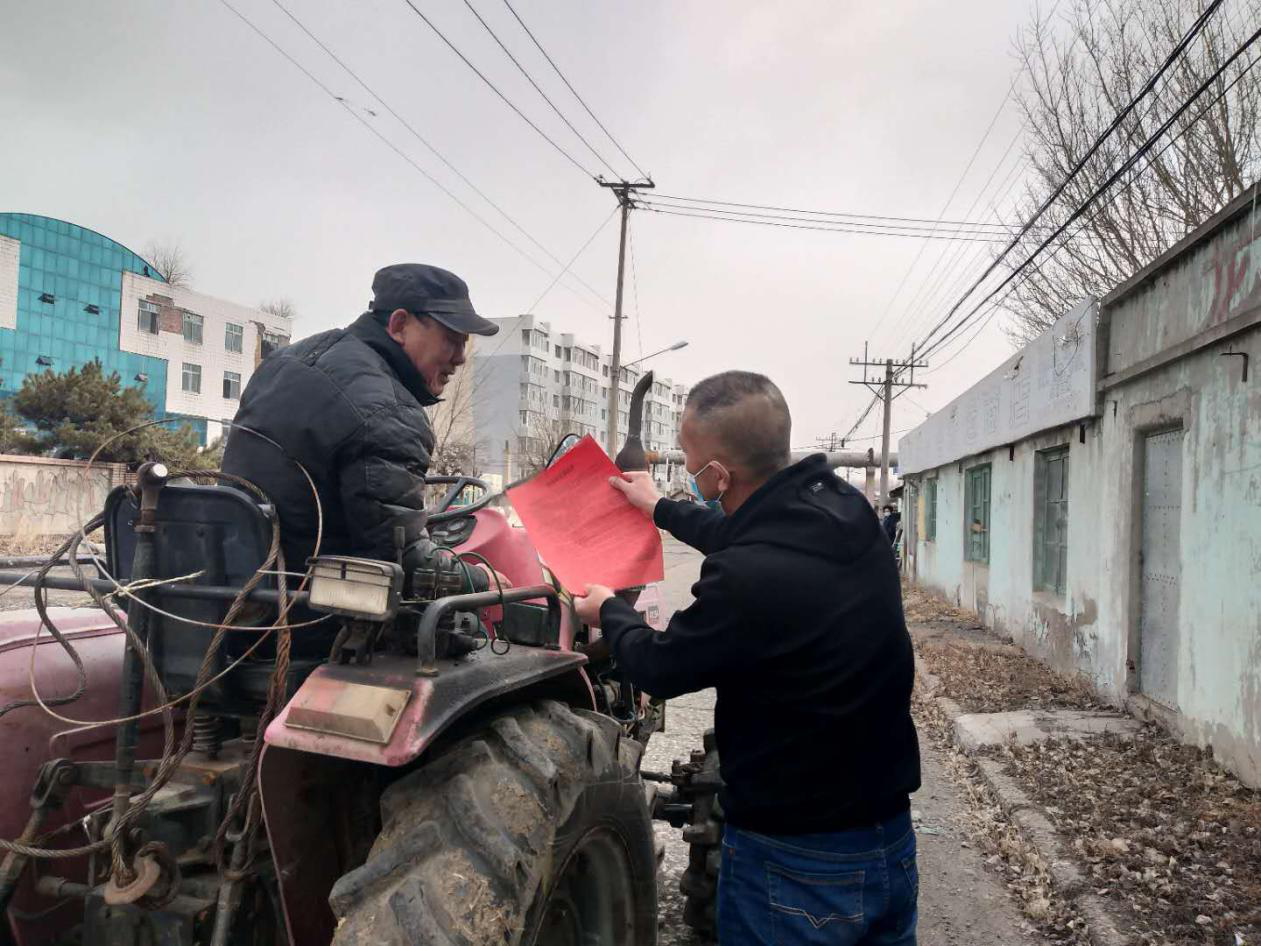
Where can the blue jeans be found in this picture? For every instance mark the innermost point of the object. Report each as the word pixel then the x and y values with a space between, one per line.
pixel 842 889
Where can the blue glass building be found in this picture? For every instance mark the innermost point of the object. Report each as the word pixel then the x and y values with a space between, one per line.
pixel 68 299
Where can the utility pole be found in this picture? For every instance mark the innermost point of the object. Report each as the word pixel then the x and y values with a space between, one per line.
pixel 623 190
pixel 886 389
pixel 829 443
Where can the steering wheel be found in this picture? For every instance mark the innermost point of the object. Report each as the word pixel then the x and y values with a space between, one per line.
pixel 444 511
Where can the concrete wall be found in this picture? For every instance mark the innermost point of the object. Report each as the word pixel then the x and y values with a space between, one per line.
pixel 1170 342
pixel 40 496
pixel 1061 629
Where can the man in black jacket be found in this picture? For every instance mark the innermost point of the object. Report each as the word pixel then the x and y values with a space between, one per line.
pixel 349 405
pixel 797 621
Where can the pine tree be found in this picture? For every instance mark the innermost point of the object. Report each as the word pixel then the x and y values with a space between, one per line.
pixel 76 412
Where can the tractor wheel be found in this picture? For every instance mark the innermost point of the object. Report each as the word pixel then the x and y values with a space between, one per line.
pixel 699 883
pixel 532 830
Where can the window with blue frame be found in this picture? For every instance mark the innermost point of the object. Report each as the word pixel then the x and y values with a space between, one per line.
pixel 976 503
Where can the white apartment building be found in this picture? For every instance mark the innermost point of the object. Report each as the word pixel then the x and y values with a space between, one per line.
pixel 211 346
pixel 534 386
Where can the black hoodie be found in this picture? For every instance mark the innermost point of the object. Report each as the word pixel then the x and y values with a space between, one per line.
pixel 798 624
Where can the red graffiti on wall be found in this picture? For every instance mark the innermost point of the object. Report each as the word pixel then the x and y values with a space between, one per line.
pixel 1233 277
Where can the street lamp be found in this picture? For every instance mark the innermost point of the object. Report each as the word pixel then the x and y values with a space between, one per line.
pixel 675 347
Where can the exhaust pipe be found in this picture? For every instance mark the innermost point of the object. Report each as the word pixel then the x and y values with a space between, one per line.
pixel 632 457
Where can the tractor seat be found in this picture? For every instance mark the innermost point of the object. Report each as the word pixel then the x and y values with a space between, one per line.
pixel 224 533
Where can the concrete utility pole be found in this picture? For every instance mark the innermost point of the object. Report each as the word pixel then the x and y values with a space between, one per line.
pixel 623 190
pixel 884 389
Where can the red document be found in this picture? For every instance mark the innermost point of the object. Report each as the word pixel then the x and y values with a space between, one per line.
pixel 584 529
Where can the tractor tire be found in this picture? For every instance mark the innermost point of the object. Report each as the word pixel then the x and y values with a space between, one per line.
pixel 532 830
pixel 699 883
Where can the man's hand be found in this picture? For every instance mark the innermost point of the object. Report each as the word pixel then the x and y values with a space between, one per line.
pixel 639 489
pixel 588 606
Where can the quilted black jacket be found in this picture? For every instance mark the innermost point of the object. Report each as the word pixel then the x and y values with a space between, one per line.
pixel 350 407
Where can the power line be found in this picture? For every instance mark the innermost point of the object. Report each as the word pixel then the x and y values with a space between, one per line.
pixel 946 206
pixel 529 78
pixel 507 101
pixel 434 151
pixel 1000 303
pixel 574 91
pixel 1107 184
pixel 801 218
pixel 1191 33
pixel 829 213
pixel 825 229
pixel 957 283
pixel 639 324
pixel 384 140
pixel 604 223
pixel 582 249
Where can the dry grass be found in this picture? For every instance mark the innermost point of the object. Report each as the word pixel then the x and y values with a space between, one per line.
pixel 980 671
pixel 1163 832
pixel 982 679
pixel 1165 835
pixel 1008 853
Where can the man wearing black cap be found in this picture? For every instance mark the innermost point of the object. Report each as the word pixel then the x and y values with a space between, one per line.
pixel 349 405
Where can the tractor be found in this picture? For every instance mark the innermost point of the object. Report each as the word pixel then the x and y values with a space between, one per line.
pixel 227 752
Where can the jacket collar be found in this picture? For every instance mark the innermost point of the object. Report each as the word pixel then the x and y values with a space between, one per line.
pixel 764 496
pixel 368 329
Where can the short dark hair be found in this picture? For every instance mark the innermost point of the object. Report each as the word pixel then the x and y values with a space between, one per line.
pixel 750 416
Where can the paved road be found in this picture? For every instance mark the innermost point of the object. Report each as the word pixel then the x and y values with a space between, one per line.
pixel 21 597
pixel 962 903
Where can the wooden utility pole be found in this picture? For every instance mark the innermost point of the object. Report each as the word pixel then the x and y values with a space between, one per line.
pixel 884 389
pixel 623 191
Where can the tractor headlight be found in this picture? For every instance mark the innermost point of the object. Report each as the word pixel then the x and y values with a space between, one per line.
pixel 362 588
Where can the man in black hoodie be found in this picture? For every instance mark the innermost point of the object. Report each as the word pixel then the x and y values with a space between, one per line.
pixel 797 621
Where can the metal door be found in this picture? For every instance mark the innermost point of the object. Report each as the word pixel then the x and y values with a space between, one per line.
pixel 1161 566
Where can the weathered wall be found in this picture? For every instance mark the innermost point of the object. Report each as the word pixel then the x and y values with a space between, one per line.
pixel 1208 302
pixel 1061 629
pixel 40 496
pixel 1170 358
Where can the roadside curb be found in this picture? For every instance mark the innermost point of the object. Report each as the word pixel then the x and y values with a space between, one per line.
pixel 1033 824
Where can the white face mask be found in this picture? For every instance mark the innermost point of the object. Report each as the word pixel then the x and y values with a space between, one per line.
pixel 716 502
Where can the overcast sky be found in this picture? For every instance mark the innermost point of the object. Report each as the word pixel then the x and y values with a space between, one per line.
pixel 148 119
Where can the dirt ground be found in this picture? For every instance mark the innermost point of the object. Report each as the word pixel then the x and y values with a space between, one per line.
pixel 1168 838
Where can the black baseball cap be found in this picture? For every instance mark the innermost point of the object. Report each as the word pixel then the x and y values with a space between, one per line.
pixel 431 291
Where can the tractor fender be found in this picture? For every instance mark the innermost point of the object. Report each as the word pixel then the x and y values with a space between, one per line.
pixel 312 783
pixel 385 713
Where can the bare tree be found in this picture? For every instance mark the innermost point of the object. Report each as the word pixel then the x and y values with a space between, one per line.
pixel 455 441
pixel 536 444
pixel 282 307
pixel 170 260
pixel 1073 87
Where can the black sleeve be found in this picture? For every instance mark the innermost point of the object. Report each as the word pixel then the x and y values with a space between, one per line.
pixel 382 486
pixel 700 645
pixel 692 523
